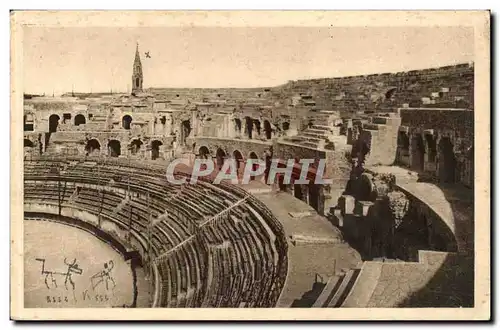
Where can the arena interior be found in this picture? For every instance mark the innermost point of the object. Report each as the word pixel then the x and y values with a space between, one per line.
pixel 394 228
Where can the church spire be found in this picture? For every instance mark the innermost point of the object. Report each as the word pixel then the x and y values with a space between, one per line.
pixel 137 77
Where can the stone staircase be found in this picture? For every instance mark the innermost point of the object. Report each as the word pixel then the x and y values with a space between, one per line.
pixel 316 136
pixel 337 289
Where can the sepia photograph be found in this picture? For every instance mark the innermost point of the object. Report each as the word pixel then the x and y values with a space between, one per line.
pixel 250 165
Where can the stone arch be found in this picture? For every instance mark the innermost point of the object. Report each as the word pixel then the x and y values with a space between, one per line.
pixel 80 120
pixel 267 129
pixel 114 148
pixel 135 146
pixel 92 146
pixel 204 152
pixel 53 123
pixel 155 149
pixel 220 156
pixel 389 94
pixel 126 121
pixel 240 162
pixel 253 155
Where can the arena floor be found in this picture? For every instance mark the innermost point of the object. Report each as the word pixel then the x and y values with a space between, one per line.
pixel 68 267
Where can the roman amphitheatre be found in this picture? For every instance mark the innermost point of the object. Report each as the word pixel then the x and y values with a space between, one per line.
pixel 393 227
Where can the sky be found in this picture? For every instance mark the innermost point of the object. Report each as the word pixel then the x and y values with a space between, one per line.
pixel 57 60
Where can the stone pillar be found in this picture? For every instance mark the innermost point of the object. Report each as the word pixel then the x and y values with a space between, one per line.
pixel 194 123
pixel 231 129
pixel 168 124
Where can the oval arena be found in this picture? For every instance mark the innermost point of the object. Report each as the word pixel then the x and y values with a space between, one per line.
pixel 393 227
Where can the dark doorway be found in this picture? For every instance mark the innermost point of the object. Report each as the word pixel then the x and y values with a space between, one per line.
pixel 314 196
pixel 447 161
pixel 239 161
pixel 431 147
pixel 92 146
pixel 135 146
pixel 114 148
pixel 185 131
pixel 249 127
pixel 79 120
pixel 237 125
pixel 53 123
pixel 221 156
pixel 297 191
pixel 126 121
pixel 418 152
pixel 253 155
pixel 257 126
pixel 204 153
pixel 267 129
pixel 155 149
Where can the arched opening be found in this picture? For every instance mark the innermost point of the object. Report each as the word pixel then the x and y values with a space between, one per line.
pixel 92 146
pixel 28 143
pixel 447 161
pixel 267 129
pixel 390 93
pixel 253 155
pixel 204 153
pixel 248 127
pixel 221 156
pixel 28 123
pixel 285 126
pixel 417 152
pixel 237 126
pixel 135 146
pixel 137 82
pixel 126 121
pixel 155 149
pixel 256 123
pixel 79 120
pixel 53 123
pixel 185 131
pixel 239 161
pixel 114 148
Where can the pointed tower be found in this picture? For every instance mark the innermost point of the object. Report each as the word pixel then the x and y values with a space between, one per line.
pixel 137 73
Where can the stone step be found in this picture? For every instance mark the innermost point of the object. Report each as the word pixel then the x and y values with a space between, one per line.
pixel 373 132
pixel 309 144
pixel 314 135
pixel 322 127
pixel 376 127
pixel 328 291
pixel 341 293
pixel 380 120
pixel 317 131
